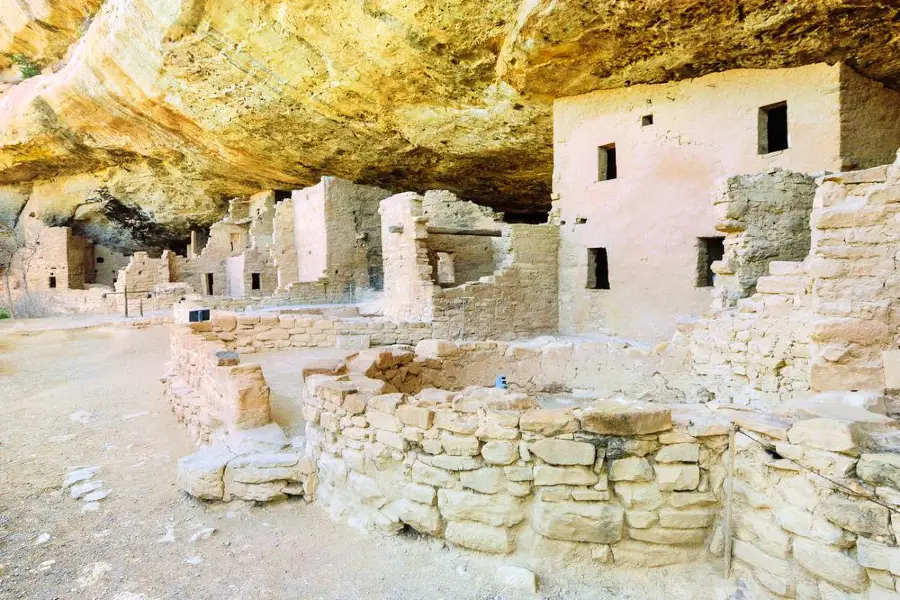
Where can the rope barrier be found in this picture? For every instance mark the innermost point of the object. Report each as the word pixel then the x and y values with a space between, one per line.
pixel 771 448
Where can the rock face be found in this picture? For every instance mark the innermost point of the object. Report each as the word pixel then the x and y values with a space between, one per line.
pixel 148 114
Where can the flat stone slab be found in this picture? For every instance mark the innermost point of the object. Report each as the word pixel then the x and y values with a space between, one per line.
pixel 620 417
pixel 201 474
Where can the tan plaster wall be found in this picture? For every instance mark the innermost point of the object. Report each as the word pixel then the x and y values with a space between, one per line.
pixel 105 273
pixel 649 218
pixel 870 121
pixel 310 232
pixel 284 249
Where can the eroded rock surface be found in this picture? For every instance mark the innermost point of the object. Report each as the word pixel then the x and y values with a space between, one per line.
pixel 151 113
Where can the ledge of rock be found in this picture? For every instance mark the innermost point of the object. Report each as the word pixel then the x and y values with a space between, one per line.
pixel 169 108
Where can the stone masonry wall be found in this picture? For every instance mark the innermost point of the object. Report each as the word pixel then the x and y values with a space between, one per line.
pixel 207 386
pixel 855 282
pixel 248 333
pixel 756 353
pixel 488 470
pixel 408 289
pixel 518 300
pixel 765 217
pixel 797 534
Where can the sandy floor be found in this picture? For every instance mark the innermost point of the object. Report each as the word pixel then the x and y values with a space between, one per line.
pixel 91 397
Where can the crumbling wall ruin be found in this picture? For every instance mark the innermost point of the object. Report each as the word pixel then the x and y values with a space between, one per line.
pixel 519 298
pixel 490 471
pixel 208 388
pixel 252 332
pixel 854 281
pixel 765 217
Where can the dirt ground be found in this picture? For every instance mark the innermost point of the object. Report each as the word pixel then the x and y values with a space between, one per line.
pixel 92 397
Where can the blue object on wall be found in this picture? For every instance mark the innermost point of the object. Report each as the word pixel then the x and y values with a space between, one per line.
pixel 500 382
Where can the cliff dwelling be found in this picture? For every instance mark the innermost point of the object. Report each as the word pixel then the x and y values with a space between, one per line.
pixel 477 300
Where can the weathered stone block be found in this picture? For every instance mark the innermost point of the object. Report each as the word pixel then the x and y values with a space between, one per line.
pixel 563 452
pixel 429 475
pixel 515 473
pixel 549 475
pixel 686 519
pixel 874 555
pixel 677 477
pixel 487 480
pixel 641 519
pixel 481 537
pixel 415 416
pixel 824 434
pixel 630 469
pixel 880 469
pixel 421 517
pixel 857 515
pixel 800 522
pixel 424 494
pixel 689 453
pixel 755 557
pixel 455 463
pixel 639 495
pixel 459 445
pixel 201 474
pixel 578 521
pixel 265 467
pixel 630 553
pixel 610 417
pixel 675 537
pixel 497 510
pixel 380 420
pixel 830 564
pixel 549 422
pixel 456 422
pixel 500 453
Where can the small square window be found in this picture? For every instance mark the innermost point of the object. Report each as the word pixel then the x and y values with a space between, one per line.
pixel 99 260
pixel 606 162
pixel 646 120
pixel 255 281
pixel 773 128
pixel 709 250
pixel 598 269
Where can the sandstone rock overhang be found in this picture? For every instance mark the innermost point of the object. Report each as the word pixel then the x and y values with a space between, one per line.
pixel 215 99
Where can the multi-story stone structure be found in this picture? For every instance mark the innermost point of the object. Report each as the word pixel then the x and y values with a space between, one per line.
pixel 637 170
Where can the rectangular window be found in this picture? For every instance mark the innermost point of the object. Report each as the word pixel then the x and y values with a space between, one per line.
pixel 773 128
pixel 598 269
pixel 52 282
pixel 646 120
pixel 235 241
pixel 606 162
pixel 254 281
pixel 709 250
pixel 209 284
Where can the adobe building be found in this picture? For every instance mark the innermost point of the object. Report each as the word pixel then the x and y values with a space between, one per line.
pixel 637 172
pixel 57 259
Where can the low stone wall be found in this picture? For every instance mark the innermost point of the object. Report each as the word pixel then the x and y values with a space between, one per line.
pixel 815 493
pixel 800 535
pixel 207 386
pixel 254 464
pixel 605 366
pixel 756 353
pixel 488 470
pixel 249 333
